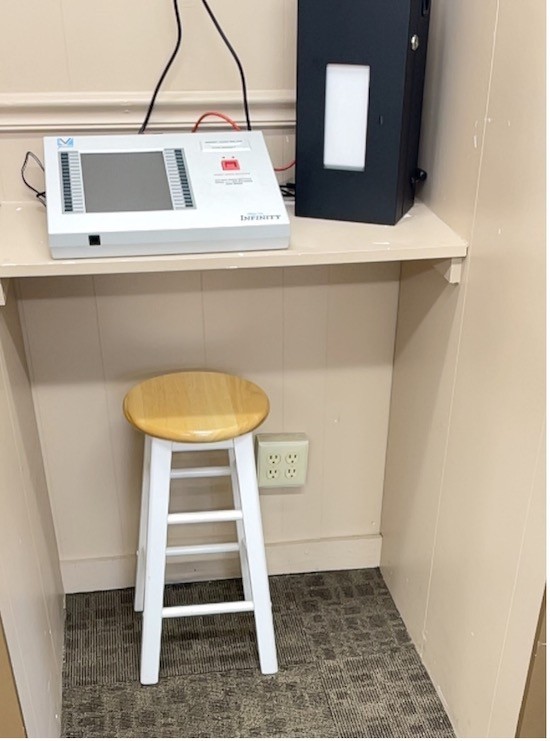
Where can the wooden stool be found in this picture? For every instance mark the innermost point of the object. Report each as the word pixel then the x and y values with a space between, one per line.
pixel 198 411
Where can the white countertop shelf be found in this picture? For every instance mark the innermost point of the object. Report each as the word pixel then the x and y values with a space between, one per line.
pixel 420 235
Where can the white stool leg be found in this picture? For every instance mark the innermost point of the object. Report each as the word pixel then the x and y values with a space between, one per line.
pixel 157 531
pixel 252 522
pixel 142 540
pixel 240 529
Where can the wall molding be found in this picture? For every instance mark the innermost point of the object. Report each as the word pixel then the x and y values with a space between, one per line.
pixel 331 554
pixel 43 113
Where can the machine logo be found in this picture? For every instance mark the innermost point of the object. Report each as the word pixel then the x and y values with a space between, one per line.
pixel 69 142
pixel 260 217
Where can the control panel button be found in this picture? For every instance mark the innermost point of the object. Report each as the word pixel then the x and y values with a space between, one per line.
pixel 231 164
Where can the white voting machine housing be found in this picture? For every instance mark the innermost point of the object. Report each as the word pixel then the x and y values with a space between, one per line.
pixel 153 194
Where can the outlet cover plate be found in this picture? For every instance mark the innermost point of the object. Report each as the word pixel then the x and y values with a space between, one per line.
pixel 281 459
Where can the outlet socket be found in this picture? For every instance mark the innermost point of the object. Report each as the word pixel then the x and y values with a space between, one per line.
pixel 281 459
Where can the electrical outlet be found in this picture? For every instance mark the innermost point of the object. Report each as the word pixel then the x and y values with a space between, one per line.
pixel 281 459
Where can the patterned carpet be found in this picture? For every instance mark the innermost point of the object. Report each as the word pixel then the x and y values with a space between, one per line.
pixel 347 666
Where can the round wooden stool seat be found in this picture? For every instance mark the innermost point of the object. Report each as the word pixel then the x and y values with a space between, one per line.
pixel 196 406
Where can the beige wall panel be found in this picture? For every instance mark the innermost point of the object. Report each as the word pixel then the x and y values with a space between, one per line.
pixel 32 46
pixel 457 81
pixel 295 332
pixel 305 325
pixel 256 32
pixel 32 471
pixel 148 324
pixel 481 587
pixel 290 18
pixel 120 46
pixel 423 376
pixel 30 585
pixel 498 406
pixel 281 146
pixel 360 344
pixel 125 45
pixel 517 126
pixel 243 312
pixel 64 351
pixel 530 574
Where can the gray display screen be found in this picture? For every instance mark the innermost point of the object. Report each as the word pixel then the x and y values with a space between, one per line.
pixel 125 181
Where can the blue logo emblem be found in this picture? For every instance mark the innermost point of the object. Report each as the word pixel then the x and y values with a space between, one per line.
pixel 69 142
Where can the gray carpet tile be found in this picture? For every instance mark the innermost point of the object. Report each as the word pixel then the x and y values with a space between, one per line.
pixel 234 704
pixel 347 666
pixel 384 695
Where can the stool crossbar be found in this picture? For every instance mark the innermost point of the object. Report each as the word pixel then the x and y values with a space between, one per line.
pixel 155 520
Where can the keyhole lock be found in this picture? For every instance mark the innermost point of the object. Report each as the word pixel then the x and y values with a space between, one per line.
pixel 415 42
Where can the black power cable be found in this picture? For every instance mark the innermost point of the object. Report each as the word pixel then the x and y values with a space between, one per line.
pixel 40 194
pixel 165 71
pixel 237 60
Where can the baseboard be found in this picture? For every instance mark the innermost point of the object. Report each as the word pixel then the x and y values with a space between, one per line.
pixel 74 112
pixel 332 554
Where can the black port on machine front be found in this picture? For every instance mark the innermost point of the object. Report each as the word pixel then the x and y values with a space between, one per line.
pixel 94 240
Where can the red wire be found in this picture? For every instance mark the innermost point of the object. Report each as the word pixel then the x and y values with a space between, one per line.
pixel 218 115
pixel 237 128
pixel 285 167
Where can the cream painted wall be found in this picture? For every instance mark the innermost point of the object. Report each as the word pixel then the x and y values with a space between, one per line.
pixel 319 340
pixel 31 601
pixel 463 514
pixel 96 67
pixel 123 46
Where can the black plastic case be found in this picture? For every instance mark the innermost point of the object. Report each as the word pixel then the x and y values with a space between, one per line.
pixel 391 37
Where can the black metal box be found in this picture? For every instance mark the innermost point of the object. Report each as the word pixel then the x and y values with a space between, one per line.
pixel 380 45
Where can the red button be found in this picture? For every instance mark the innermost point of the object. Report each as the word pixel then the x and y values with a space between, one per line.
pixel 230 165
